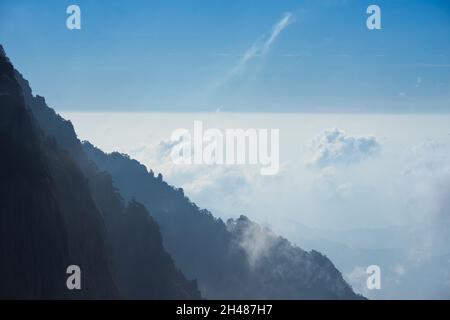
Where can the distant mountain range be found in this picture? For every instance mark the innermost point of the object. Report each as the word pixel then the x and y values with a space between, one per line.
pixel 63 202
pixel 411 267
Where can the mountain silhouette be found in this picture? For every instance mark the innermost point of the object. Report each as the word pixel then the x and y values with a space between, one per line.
pixel 41 190
pixel 57 210
pixel 65 203
pixel 233 260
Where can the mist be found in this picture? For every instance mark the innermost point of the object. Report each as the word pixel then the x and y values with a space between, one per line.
pixel 363 189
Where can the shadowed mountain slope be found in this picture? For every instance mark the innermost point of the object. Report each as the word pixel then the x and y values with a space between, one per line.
pixel 237 259
pixel 48 220
pixel 57 210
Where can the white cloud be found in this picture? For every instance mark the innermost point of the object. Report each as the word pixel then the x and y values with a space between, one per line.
pixel 207 185
pixel 426 185
pixel 165 147
pixel 426 175
pixel 357 278
pixel 327 183
pixel 277 29
pixel 256 241
pixel 334 147
pixel 216 181
pixel 262 48
pixel 430 157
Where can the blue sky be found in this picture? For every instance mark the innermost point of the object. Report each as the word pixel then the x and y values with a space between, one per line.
pixel 208 55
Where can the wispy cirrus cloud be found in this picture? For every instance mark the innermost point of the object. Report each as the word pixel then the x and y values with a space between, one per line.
pixel 276 31
pixel 261 48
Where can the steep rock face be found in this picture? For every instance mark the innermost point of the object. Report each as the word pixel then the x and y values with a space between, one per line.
pixel 150 272
pixel 84 225
pixel 47 218
pixel 233 260
pixel 83 217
